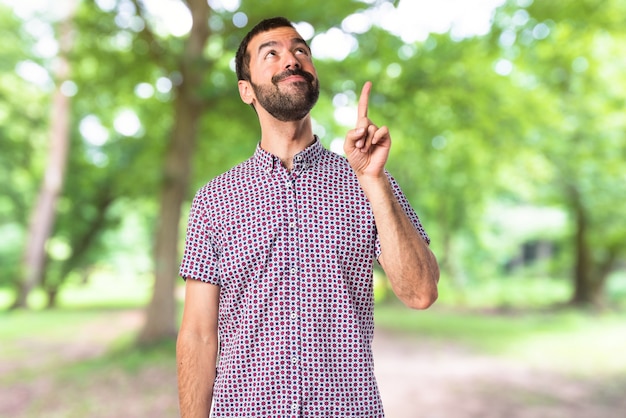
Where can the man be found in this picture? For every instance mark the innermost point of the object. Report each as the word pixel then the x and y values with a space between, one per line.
pixel 279 255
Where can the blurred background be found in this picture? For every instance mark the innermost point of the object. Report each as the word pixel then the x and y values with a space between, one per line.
pixel 509 128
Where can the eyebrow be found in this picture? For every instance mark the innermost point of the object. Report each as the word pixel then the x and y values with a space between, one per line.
pixel 294 41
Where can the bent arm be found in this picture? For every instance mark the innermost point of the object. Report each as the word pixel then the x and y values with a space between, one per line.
pixel 408 262
pixel 196 349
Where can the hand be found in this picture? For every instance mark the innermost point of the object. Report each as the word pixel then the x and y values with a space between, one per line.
pixel 367 146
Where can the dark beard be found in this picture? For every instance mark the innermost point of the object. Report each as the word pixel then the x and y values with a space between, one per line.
pixel 288 107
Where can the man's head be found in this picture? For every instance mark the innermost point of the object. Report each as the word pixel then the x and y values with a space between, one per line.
pixel 276 71
pixel 242 59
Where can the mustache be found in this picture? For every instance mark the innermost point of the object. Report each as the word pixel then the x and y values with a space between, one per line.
pixel 288 73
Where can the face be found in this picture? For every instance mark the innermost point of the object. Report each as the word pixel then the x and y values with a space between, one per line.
pixel 282 76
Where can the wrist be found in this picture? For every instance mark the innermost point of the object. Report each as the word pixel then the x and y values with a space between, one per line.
pixel 375 186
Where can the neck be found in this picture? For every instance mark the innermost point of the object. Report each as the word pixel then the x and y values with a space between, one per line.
pixel 286 139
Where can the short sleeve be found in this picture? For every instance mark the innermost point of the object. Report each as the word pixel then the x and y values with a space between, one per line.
pixel 200 257
pixel 404 203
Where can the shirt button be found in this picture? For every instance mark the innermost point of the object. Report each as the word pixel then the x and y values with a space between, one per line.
pixel 298 157
pixel 294 359
pixel 289 184
pixel 294 270
pixel 294 406
pixel 292 225
pixel 268 170
pixel 294 315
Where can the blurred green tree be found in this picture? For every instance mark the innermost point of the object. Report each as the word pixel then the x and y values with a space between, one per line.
pixel 43 214
pixel 23 114
pixel 572 58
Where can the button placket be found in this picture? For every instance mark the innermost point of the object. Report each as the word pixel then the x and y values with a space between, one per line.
pixel 292 269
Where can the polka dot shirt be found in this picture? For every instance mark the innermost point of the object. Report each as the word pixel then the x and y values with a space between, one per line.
pixel 292 252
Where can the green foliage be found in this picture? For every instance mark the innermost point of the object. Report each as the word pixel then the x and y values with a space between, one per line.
pixel 505 293
pixel 467 136
pixel 571 58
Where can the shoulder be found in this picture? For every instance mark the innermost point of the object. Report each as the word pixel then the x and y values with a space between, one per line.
pixel 227 182
pixel 330 160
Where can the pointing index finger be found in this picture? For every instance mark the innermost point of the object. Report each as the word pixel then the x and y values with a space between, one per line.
pixel 364 99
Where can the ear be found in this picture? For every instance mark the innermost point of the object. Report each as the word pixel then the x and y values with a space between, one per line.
pixel 245 91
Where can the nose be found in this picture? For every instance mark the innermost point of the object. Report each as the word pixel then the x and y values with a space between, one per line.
pixel 291 61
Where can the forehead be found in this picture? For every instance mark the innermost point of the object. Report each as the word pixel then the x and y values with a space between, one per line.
pixel 279 36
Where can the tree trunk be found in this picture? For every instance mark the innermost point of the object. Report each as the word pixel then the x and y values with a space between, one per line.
pixel 44 212
pixel 161 311
pixel 80 245
pixel 588 286
pixel 51 297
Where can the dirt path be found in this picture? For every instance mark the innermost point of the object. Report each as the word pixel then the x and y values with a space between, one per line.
pixel 417 379
pixel 39 357
pixel 426 380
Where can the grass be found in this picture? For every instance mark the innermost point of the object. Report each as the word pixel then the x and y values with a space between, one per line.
pixel 123 381
pixel 502 293
pixel 568 341
pixel 520 318
pixel 40 324
pixel 516 322
pixel 103 291
pixel 125 358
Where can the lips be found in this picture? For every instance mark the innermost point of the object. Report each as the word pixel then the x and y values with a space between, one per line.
pixel 294 78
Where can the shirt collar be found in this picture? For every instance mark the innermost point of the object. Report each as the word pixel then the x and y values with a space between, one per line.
pixel 305 158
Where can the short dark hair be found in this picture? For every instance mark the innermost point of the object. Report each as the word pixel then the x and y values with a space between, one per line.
pixel 242 59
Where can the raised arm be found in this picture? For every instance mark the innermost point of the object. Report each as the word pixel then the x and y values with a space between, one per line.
pixel 197 348
pixel 409 264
